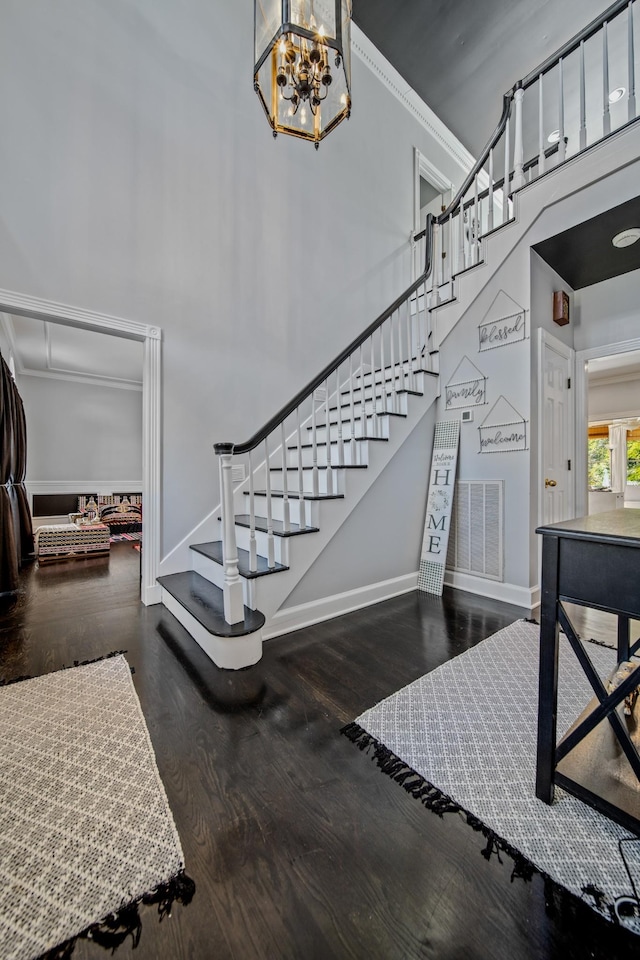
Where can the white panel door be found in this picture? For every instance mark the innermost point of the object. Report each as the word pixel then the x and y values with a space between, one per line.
pixel 557 431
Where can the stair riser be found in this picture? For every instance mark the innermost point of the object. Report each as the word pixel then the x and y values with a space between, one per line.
pixel 345 455
pixel 401 372
pixel 228 653
pixel 307 509
pixel 360 430
pixel 406 382
pixel 280 544
pixel 328 481
pixel 380 406
pixel 215 573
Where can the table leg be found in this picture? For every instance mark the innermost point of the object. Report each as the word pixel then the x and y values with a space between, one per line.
pixel 548 678
pixel 623 638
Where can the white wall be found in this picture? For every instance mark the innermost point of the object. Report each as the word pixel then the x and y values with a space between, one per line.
pixel 148 185
pixel 611 401
pixel 76 431
pixel 608 312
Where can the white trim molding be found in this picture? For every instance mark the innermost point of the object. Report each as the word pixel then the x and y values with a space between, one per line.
pixel 101 487
pixel 306 614
pixel 151 336
pixel 369 54
pixel 526 597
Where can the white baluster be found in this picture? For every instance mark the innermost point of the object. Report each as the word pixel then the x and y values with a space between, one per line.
pixel 435 272
pixel 232 589
pixel 518 143
pixel 426 362
pixel 314 445
pixel 374 398
pixel 460 257
pixel 253 547
pixel 407 322
pixel 286 513
pixel 606 113
pixel 476 222
pixel 631 112
pixel 300 473
pixel 541 156
pixel 562 147
pixel 490 208
pixel 450 254
pixel 328 435
pixel 382 366
pixel 340 446
pixel 507 167
pixel 399 348
pixel 271 562
pixel 392 351
pixel 352 442
pixel 583 102
pixel 363 419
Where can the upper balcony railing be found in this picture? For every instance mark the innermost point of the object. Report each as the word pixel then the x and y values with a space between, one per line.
pixel 579 96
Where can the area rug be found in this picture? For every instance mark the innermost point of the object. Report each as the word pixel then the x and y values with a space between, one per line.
pixel 123 537
pixel 85 826
pixel 462 739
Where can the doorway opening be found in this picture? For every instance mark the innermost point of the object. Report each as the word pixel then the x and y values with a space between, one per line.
pixel 20 305
pixel 432 193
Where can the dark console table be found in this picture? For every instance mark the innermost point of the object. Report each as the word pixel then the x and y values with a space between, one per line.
pixel 595 562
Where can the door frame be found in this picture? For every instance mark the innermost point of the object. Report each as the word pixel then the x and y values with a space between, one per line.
pixel 151 338
pixel 546 339
pixel 422 167
pixel 582 411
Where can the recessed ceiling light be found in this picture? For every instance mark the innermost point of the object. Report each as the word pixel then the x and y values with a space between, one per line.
pixel 617 94
pixel 554 136
pixel 627 237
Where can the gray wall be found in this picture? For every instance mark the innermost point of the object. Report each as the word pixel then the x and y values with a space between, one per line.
pixel 147 184
pixel 76 431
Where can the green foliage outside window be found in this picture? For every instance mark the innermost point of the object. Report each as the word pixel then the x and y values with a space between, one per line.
pixel 599 464
pixel 633 461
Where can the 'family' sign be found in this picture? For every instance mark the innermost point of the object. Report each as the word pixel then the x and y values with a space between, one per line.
pixel 439 503
pixel 467 386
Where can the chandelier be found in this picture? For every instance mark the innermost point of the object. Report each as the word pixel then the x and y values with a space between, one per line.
pixel 303 65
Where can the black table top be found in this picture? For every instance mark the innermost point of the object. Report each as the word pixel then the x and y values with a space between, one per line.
pixel 614 526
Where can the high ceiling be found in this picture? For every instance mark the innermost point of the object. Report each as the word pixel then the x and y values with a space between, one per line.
pixel 461 56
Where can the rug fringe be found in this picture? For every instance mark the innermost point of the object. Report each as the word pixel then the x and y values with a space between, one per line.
pixel 111 932
pixel 558 900
pixel 76 663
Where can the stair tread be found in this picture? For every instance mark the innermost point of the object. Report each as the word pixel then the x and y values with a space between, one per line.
pixel 244 520
pixel 296 495
pixel 324 466
pixel 213 550
pixel 334 443
pixel 204 601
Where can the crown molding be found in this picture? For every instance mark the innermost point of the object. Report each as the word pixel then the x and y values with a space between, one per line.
pixel 608 381
pixel 398 86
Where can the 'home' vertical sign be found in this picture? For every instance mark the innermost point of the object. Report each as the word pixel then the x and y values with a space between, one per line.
pixel 439 504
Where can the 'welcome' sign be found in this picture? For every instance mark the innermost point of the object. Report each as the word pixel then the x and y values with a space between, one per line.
pixel 439 504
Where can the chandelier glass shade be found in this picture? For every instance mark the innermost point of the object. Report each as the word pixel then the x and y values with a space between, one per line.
pixel 302 69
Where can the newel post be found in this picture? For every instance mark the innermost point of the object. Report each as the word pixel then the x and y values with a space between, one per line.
pixel 518 145
pixel 232 589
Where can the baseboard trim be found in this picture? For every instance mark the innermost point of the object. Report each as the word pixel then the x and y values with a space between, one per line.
pixel 527 597
pixel 306 614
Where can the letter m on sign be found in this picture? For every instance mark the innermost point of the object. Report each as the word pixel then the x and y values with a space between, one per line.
pixel 439 506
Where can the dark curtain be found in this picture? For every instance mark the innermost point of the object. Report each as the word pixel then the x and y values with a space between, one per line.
pixel 16 530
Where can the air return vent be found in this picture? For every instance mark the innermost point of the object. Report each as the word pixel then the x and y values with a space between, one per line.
pixel 476 537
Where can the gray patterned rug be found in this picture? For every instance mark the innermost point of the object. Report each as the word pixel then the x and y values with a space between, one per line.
pixel 463 739
pixel 85 824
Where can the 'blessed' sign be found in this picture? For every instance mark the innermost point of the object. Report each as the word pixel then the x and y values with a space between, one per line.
pixel 499 333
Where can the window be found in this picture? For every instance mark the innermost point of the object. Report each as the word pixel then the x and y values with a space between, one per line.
pixel 599 465
pixel 633 457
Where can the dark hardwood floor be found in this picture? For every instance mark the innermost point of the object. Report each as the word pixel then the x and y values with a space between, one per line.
pixel 299 846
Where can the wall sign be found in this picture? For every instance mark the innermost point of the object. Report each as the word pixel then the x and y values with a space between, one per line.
pixel 439 503
pixel 467 386
pixel 503 429
pixel 504 322
pixel 499 333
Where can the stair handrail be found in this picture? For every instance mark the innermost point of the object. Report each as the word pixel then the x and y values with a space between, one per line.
pixel 278 418
pixel 569 47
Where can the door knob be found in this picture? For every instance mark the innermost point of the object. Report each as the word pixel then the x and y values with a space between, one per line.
pixel 549 483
